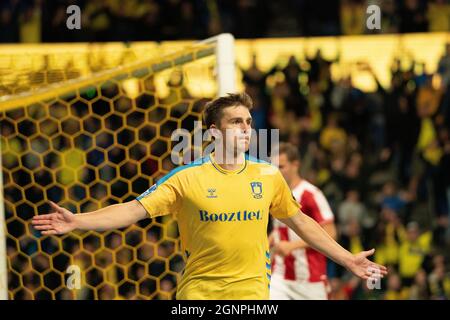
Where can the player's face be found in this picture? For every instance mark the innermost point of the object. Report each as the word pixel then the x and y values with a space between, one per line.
pixel 288 169
pixel 235 126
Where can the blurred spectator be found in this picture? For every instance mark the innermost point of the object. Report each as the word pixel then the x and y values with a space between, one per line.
pixel 333 138
pixel 342 289
pixel 178 19
pixel 390 233
pixel 351 209
pixel 438 15
pixel 389 18
pixel 413 16
pixel 97 18
pixel 250 18
pixel 30 23
pixel 353 17
pixel 413 249
pixel 325 22
pixel 391 198
pixel 352 239
pixel 420 290
pixel 444 67
pixel 439 279
pixel 394 289
pixel 9 11
pixel 337 291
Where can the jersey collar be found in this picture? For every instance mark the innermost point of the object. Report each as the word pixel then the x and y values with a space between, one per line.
pixel 224 171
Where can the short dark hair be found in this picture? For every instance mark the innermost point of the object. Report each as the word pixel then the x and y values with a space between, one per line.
pixel 213 109
pixel 290 150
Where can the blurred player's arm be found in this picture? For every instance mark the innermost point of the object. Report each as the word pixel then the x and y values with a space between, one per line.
pixel 284 248
pixel 61 220
pixel 315 236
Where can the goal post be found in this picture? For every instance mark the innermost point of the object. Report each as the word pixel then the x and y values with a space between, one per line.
pixel 3 264
pixel 226 65
pixel 90 141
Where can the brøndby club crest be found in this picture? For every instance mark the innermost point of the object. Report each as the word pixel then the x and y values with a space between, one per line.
pixel 256 189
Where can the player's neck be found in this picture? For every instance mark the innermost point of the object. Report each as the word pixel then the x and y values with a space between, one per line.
pixel 229 160
pixel 295 182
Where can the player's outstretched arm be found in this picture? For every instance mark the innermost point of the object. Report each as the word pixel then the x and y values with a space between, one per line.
pixel 313 234
pixel 285 248
pixel 61 220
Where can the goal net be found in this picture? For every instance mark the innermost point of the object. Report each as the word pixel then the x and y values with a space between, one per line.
pixel 88 140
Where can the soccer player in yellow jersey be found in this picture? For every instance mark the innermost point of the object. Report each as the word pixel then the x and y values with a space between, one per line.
pixel 222 208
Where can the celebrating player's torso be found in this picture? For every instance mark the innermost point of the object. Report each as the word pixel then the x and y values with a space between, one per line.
pixel 222 217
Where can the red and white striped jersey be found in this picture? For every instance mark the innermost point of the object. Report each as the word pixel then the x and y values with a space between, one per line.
pixel 303 264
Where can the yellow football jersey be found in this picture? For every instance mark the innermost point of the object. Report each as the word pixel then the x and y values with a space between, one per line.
pixel 222 218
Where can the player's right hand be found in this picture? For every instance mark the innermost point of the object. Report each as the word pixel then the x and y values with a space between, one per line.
pixel 57 222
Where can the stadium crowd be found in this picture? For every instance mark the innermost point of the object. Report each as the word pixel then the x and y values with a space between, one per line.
pixel 113 20
pixel 382 161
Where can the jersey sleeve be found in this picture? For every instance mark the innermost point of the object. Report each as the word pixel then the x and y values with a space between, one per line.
pixel 162 198
pixel 283 203
pixel 319 209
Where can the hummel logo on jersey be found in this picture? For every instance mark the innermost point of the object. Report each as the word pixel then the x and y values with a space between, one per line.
pixel 230 216
pixel 211 193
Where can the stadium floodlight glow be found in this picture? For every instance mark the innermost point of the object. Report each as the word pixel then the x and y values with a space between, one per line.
pixel 131 87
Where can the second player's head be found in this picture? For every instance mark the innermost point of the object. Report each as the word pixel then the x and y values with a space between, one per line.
pixel 230 120
pixel 287 158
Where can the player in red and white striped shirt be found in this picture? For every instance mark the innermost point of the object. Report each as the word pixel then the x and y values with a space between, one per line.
pixel 298 271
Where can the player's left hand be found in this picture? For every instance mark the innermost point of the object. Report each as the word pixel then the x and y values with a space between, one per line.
pixel 364 268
